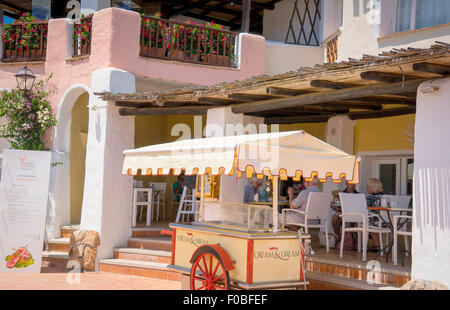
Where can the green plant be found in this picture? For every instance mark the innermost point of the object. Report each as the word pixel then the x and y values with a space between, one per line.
pixel 82 31
pixel 25 33
pixel 197 39
pixel 29 116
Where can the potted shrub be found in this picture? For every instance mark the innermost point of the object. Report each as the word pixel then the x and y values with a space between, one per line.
pixel 152 32
pixel 82 34
pixel 22 39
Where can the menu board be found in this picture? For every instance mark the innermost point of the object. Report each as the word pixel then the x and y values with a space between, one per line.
pixel 23 206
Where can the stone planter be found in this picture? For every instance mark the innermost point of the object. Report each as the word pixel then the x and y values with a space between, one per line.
pixel 83 248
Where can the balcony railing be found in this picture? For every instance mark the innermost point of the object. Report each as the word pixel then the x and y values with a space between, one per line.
pixel 165 39
pixel 82 37
pixel 24 41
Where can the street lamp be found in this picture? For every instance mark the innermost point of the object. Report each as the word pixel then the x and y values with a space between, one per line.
pixel 25 79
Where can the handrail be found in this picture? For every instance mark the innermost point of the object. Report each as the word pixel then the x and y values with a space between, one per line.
pixel 82 36
pixel 166 39
pixel 24 41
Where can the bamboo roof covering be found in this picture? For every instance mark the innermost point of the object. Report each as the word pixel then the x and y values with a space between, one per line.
pixel 370 87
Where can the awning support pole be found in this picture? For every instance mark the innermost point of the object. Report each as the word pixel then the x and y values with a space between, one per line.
pixel 275 204
pixel 202 197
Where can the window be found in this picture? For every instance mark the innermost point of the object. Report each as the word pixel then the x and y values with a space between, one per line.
pixel 417 14
pixel 396 174
pixel 332 50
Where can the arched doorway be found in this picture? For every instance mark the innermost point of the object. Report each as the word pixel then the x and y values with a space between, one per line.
pixel 77 155
pixel 72 110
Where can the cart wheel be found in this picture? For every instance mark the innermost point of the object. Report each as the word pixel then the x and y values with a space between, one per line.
pixel 208 272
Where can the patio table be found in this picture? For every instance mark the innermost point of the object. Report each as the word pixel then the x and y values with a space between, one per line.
pixel 390 225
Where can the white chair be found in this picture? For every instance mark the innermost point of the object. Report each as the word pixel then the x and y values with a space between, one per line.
pixel 317 208
pixel 187 204
pixel 354 210
pixel 402 202
pixel 142 197
pixel 404 233
pixel 159 190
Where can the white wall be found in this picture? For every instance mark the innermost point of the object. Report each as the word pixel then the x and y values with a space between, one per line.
pixel 281 58
pixel 370 31
pixel 431 199
pixel 107 193
pixel 276 22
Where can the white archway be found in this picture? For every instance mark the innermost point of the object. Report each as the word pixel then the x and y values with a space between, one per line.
pixel 58 211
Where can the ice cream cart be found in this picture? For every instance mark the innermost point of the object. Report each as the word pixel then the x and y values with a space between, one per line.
pixel 234 245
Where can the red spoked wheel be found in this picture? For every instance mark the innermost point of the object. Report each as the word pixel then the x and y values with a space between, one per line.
pixel 208 273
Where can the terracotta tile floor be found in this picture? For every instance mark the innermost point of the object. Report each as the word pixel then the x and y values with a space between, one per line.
pixel 88 281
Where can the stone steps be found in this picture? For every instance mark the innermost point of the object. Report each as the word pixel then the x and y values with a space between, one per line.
pixel 139 268
pixel 61 245
pixel 326 281
pixel 356 271
pixel 143 255
pixel 146 232
pixel 161 243
pixel 54 259
pixel 67 230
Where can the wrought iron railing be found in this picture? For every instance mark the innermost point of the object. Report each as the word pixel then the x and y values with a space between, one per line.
pixel 82 36
pixel 24 41
pixel 165 39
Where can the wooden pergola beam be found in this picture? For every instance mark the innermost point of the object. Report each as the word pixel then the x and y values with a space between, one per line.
pixel 245 20
pixel 431 68
pixel 329 96
pixel 332 85
pixel 128 104
pixel 351 105
pixel 381 114
pixel 253 97
pixel 218 101
pixel 187 8
pixel 287 91
pixel 385 76
pixel 196 110
pixel 298 119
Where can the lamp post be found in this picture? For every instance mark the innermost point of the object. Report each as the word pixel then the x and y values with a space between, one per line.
pixel 25 79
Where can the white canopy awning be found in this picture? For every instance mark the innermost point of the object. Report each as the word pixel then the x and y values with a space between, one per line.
pixel 292 154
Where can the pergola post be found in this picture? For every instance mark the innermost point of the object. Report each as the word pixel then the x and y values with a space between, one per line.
pixel 246 7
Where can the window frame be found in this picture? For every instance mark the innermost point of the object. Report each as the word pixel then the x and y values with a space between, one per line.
pixel 412 22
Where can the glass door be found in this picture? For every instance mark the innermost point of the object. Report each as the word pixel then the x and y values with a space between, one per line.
pixel 396 174
pixel 388 172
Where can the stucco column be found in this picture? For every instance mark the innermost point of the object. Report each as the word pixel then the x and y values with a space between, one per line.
pixel 223 122
pixel 107 193
pixel 431 195
pixel 339 133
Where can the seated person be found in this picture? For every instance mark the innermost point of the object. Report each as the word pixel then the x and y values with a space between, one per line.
pixel 300 202
pixel 375 192
pixel 336 220
pixel 251 190
pixel 178 187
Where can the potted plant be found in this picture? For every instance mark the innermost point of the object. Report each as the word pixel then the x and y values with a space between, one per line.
pixel 22 39
pixel 153 36
pixel 82 35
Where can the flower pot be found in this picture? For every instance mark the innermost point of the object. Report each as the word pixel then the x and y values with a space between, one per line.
pixel 19 53
pixel 7 54
pixel 145 50
pixel 84 50
pixel 176 54
pixel 156 52
pixel 218 60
